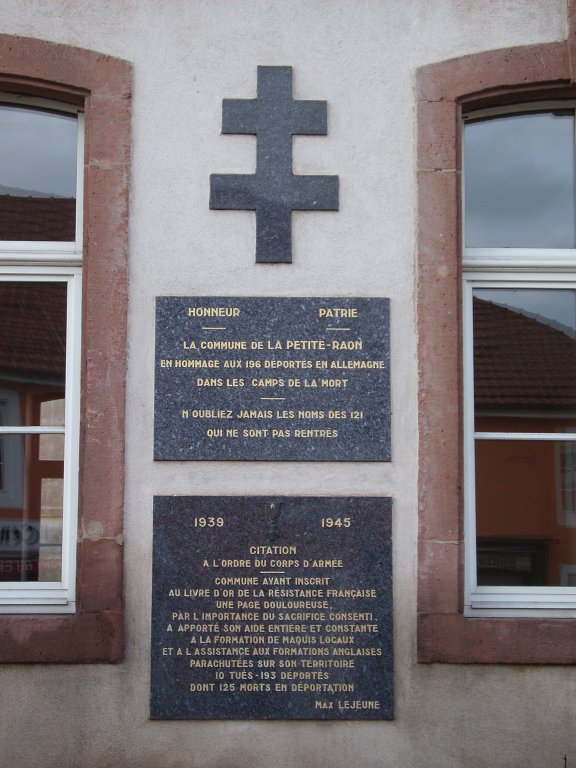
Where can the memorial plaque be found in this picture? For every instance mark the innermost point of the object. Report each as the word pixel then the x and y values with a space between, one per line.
pixel 272 608
pixel 272 379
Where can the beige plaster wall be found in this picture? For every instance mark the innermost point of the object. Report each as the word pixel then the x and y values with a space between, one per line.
pixel 359 55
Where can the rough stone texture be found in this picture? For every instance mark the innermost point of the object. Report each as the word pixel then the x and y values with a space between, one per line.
pixel 108 131
pixel 67 67
pixel 571 14
pixel 101 559
pixel 512 67
pixel 437 121
pixel 452 639
pixel 87 637
pixel 95 632
pixel 439 576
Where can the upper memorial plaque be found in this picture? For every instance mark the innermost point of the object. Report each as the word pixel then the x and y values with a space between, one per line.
pixel 272 379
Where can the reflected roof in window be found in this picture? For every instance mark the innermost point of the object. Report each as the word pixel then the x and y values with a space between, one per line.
pixel 38 168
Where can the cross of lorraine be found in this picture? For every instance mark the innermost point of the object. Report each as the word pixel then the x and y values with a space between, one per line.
pixel 274 191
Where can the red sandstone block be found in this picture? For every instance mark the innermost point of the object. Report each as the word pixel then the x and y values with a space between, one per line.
pixel 477 73
pixel 107 130
pixel 105 327
pixel 460 640
pixel 101 502
pixel 440 499
pixel 75 639
pixel 438 585
pixel 74 67
pixel 438 235
pixel 571 15
pixel 100 565
pixel 106 209
pixel 437 135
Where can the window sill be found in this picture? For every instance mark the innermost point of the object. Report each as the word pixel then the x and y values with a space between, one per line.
pixel 75 639
pixel 487 610
pixel 29 607
pixel 457 639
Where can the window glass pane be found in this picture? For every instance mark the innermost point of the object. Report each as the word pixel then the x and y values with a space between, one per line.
pixel 50 551
pixel 11 469
pixel 51 447
pixel 32 353
pixel 37 174
pixel 52 412
pixel 519 181
pixel 31 504
pixel 525 517
pixel 525 359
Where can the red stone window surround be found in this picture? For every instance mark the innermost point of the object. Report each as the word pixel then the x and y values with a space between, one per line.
pixel 103 86
pixel 443 91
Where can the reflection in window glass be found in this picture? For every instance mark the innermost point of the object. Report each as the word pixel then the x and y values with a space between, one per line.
pixel 524 536
pixel 51 447
pixel 11 488
pixel 519 181
pixel 31 512
pixel 50 555
pixel 52 412
pixel 2 456
pixel 38 163
pixel 524 382
pixel 19 537
pixel 33 351
pixel 525 360
pixel 32 377
pixel 567 481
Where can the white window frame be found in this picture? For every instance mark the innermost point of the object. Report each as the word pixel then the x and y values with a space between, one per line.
pixel 506 268
pixel 509 601
pixel 39 261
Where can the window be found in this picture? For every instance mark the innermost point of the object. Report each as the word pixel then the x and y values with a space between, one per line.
pixel 63 301
pixel 519 297
pixel 41 171
pixel 501 285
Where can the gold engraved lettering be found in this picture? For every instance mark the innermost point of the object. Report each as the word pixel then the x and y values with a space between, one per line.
pixel 356 344
pixel 304 344
pixel 331 312
pixel 265 627
pixel 213 312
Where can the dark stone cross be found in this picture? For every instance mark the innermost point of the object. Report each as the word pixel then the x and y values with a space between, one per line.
pixel 273 191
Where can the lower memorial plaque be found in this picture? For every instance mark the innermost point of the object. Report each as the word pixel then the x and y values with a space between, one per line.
pixel 272 608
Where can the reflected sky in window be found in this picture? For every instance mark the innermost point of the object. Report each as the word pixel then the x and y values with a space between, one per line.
pixel 37 153
pixel 519 181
